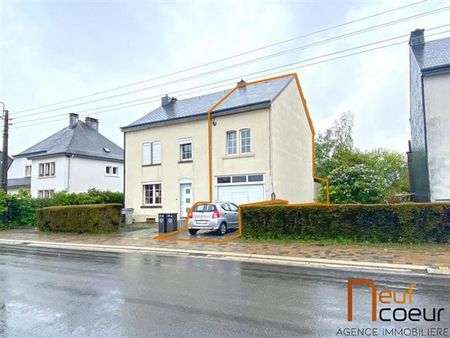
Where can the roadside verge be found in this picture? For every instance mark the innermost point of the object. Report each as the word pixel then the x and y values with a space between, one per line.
pixel 232 256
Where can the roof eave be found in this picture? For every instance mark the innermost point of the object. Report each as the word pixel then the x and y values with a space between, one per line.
pixel 436 70
pixel 78 155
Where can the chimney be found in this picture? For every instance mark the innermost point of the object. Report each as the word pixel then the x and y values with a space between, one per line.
pixel 166 100
pixel 416 37
pixel 241 84
pixel 73 120
pixel 91 122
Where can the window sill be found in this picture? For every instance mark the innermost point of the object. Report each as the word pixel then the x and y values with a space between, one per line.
pixel 226 157
pixel 186 161
pixel 47 176
pixel 151 165
pixel 151 206
pixel 106 175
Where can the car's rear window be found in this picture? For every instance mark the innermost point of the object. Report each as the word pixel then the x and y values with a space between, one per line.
pixel 205 208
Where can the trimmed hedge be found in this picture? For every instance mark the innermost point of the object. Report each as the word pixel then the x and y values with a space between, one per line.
pixel 92 218
pixel 383 223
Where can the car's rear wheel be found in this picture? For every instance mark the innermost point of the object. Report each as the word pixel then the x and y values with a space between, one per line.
pixel 193 231
pixel 222 229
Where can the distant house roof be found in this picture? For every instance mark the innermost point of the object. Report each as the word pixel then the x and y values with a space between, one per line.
pixel 78 139
pixel 21 182
pixel 245 98
pixel 432 56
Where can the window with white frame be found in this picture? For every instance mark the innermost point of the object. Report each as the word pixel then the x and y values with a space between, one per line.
pixel 45 193
pixel 151 153
pixel 245 141
pixel 185 149
pixel 231 142
pixel 47 169
pixel 152 194
pixel 110 170
pixel 240 179
pixel 28 171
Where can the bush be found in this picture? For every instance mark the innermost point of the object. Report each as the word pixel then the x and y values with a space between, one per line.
pixel 90 218
pixel 19 211
pixel 383 223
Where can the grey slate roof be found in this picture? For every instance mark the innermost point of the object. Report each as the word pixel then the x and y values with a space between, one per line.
pixel 19 182
pixel 250 95
pixel 82 141
pixel 432 55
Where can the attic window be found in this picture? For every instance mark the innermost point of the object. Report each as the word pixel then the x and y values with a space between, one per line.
pixel 106 150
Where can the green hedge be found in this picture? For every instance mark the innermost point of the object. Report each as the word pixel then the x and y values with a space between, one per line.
pixel 92 218
pixel 383 223
pixel 19 210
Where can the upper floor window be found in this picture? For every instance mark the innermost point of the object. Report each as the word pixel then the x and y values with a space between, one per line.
pixel 27 170
pixel 231 142
pixel 47 169
pixel 110 170
pixel 185 149
pixel 151 153
pixel 245 141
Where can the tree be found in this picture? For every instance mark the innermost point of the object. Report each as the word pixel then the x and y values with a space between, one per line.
pixel 352 172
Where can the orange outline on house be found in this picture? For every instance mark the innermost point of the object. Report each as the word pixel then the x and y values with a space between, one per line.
pixel 167 236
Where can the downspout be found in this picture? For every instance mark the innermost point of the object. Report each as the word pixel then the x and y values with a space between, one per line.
pixel 271 151
pixel 68 172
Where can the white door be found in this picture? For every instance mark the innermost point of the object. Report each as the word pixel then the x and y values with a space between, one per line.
pixel 185 198
pixel 240 194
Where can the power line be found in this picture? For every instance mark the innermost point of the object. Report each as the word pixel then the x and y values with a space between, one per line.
pixel 146 100
pixel 225 58
pixel 277 69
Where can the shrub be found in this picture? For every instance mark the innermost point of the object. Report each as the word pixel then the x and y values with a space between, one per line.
pixel 399 223
pixel 80 218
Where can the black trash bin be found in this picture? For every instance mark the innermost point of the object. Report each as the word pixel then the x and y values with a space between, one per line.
pixel 162 220
pixel 172 222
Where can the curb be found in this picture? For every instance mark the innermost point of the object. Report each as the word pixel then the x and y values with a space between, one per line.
pixel 231 256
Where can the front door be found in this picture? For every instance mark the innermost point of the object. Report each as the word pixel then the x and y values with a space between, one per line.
pixel 186 198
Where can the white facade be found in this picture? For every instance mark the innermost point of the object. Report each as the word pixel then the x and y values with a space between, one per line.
pixel 437 108
pixel 71 174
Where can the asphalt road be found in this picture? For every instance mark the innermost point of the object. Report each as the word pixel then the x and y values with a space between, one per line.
pixel 51 293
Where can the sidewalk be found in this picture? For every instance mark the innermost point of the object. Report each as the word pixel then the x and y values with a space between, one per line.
pixel 428 255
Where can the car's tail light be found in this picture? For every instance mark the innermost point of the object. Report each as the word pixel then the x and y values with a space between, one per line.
pixel 216 214
pixel 190 214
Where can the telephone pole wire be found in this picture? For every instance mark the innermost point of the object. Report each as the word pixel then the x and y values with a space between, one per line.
pixel 5 117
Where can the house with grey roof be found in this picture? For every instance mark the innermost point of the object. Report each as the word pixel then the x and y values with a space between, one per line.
pixel 75 159
pixel 261 148
pixel 429 147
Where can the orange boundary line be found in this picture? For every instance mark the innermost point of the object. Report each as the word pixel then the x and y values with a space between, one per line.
pixel 166 236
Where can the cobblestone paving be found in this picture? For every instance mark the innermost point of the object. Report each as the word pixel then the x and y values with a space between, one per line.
pixel 430 255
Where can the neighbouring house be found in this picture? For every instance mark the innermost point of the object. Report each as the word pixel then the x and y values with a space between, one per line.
pixel 262 148
pixel 74 159
pixel 429 147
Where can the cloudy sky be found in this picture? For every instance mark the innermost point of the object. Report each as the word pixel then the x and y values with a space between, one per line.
pixel 57 50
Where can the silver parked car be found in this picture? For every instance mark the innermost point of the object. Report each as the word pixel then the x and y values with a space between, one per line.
pixel 219 216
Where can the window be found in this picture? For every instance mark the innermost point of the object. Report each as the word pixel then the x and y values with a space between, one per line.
pixel 185 149
pixel 45 193
pixel 245 141
pixel 27 170
pixel 152 194
pixel 256 178
pixel 239 179
pixel 47 169
pixel 151 153
pixel 225 179
pixel 109 170
pixel 231 143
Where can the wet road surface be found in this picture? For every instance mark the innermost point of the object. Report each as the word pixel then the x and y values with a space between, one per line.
pixel 55 293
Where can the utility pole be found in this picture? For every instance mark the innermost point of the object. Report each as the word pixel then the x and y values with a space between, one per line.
pixel 5 117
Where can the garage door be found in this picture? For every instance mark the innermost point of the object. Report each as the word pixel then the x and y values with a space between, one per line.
pixel 241 193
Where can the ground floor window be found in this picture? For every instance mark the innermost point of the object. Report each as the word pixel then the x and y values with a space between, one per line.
pixel 45 193
pixel 152 194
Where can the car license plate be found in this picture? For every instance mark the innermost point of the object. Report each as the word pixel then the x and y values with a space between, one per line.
pixel 202 222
